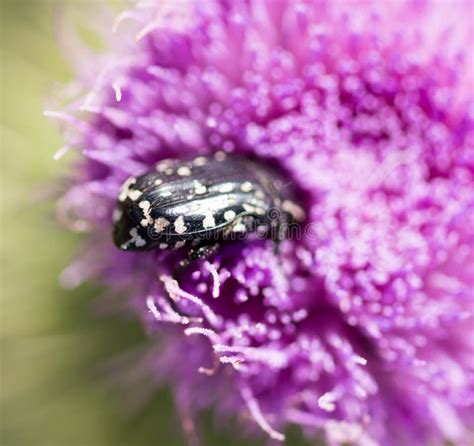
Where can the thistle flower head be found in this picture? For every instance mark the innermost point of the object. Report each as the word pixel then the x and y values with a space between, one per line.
pixel 362 327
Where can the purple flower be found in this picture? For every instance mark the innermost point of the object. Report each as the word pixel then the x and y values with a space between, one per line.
pixel 362 328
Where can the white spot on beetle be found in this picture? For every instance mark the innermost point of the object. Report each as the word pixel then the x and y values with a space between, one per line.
pixel 179 244
pixel 135 238
pixel 293 209
pixel 117 215
pixel 163 165
pixel 184 171
pixel 158 182
pixel 179 225
pixel 239 227
pixel 208 221
pixel 160 224
pixel 134 194
pixel 246 186
pixel 145 206
pixel 229 215
pixel 200 161
pixel 139 242
pixel 125 188
pixel 163 246
pixel 226 188
pixel 166 193
pixel 220 156
pixel 248 207
pixel 199 188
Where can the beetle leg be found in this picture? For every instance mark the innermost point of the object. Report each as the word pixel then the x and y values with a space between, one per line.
pixel 279 233
pixel 201 252
pixel 279 236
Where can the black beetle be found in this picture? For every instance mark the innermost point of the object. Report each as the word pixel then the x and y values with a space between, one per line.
pixel 201 202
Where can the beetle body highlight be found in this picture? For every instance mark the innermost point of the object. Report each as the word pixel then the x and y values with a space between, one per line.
pixel 200 202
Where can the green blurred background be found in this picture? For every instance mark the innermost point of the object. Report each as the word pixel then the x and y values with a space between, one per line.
pixel 51 343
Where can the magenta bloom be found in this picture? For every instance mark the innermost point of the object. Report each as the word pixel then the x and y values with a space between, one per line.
pixel 362 328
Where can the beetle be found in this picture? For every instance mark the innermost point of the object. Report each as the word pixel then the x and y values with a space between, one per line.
pixel 198 203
